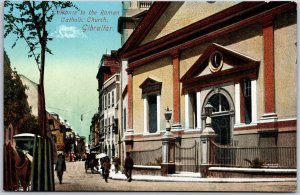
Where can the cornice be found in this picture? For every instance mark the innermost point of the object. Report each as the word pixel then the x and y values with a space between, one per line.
pixel 230 75
pixel 144 26
pixel 163 47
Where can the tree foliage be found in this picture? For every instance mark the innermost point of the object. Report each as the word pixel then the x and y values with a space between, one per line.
pixel 28 20
pixel 16 108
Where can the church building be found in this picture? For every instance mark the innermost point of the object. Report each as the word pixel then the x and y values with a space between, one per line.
pixel 239 57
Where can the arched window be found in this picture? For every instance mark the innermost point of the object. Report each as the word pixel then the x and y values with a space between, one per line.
pixel 219 102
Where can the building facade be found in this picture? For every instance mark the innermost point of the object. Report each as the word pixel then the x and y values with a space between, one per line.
pixel 238 56
pixel 133 13
pixel 108 86
pixel 62 134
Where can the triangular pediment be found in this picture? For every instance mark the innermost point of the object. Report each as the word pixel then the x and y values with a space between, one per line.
pixel 219 64
pixel 150 86
pixel 149 82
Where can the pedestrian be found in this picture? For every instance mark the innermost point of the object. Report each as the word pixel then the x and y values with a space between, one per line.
pixel 106 167
pixel 117 164
pixel 60 167
pixel 128 166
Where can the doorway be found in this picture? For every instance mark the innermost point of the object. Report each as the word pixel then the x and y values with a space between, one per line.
pixel 221 118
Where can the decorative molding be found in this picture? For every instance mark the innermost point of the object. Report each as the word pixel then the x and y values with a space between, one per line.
pixel 271 126
pixel 195 27
pixel 151 86
pixel 183 38
pixel 175 54
pixel 244 67
pixel 144 26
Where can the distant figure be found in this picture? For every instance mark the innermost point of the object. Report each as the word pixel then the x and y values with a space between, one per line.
pixel 60 167
pixel 117 164
pixel 128 166
pixel 105 168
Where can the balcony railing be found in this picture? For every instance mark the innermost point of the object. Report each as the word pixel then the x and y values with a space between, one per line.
pixel 144 4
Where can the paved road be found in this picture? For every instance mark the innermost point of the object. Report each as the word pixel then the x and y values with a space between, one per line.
pixel 76 179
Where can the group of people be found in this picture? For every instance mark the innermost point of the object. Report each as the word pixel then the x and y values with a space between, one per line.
pixel 128 166
pixel 105 166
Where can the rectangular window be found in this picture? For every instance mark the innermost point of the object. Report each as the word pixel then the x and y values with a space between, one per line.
pixel 105 126
pixel 112 99
pixel 192 111
pixel 152 114
pixel 102 102
pixel 247 88
pixel 124 119
pixel 247 100
pixel 108 100
pixel 105 105
pixel 109 125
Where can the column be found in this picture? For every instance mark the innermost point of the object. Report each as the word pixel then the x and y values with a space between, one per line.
pixel 269 82
pixel 130 101
pixel 237 103
pixel 176 92
pixel 145 115
pixel 254 101
pixel 158 112
pixel 187 111
pixel 199 113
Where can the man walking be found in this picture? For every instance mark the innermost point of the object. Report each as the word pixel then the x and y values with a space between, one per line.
pixel 60 167
pixel 106 167
pixel 128 166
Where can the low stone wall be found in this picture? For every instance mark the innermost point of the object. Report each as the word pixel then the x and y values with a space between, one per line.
pixel 229 172
pixel 146 170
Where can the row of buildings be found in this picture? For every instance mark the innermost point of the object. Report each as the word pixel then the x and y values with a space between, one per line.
pixel 240 57
pixel 66 140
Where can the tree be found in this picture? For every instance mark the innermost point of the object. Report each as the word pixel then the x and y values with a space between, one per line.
pixel 28 20
pixel 16 109
pixel 31 26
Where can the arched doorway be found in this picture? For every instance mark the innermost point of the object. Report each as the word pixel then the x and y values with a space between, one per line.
pixel 222 116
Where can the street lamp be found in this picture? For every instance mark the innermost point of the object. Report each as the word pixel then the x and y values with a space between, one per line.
pixel 168 115
pixel 208 127
pixel 208 109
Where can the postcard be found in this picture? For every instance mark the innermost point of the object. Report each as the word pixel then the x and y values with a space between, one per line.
pixel 150 96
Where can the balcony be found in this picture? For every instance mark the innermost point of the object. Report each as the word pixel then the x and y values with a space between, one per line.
pixel 144 4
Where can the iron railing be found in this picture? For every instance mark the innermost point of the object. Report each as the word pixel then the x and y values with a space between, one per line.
pixel 145 4
pixel 268 157
pixel 186 158
pixel 147 157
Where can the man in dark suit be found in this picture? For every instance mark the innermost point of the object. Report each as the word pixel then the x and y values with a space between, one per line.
pixel 128 166
pixel 60 167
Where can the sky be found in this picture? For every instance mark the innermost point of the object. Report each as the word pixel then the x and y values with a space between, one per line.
pixel 70 74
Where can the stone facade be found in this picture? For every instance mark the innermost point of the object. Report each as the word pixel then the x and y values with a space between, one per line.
pixel 258 52
pixel 109 93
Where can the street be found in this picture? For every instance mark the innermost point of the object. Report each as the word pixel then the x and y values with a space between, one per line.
pixel 76 179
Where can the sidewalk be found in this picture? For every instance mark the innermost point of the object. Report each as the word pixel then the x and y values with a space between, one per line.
pixel 195 177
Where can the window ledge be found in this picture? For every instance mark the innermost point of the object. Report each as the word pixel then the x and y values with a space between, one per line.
pixel 151 134
pixel 192 130
pixel 244 125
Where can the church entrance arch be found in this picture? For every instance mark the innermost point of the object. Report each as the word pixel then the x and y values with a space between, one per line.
pixel 222 115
